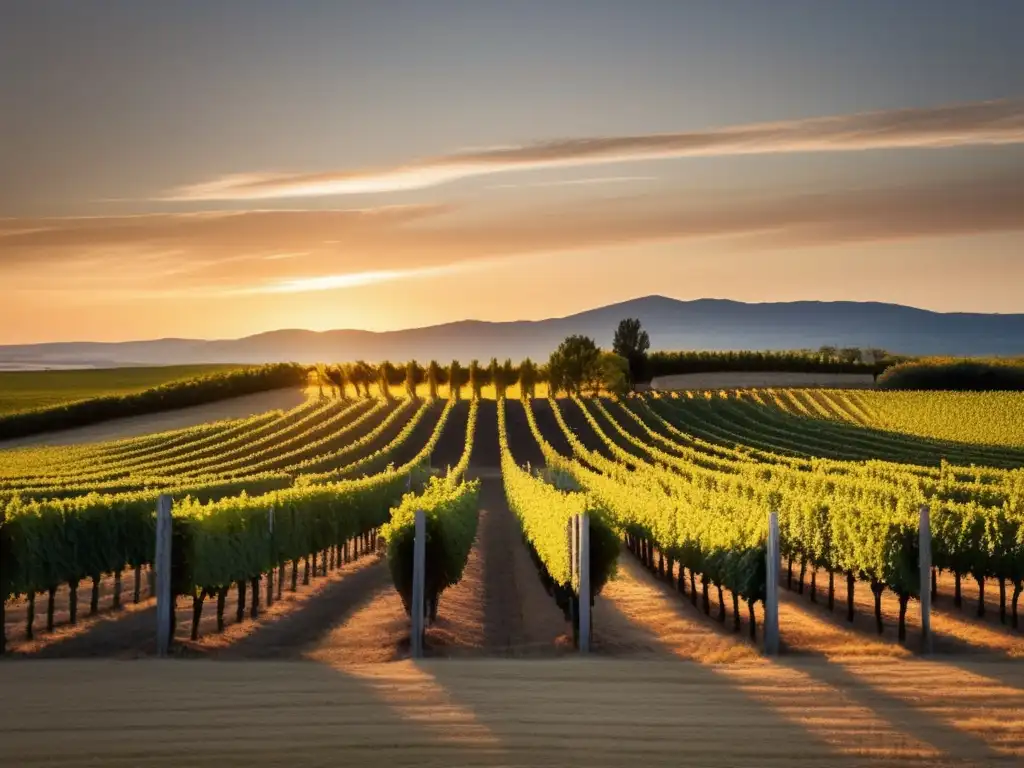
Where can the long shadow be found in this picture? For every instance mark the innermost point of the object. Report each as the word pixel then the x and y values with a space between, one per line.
pixel 287 634
pixel 615 697
pixel 667 586
pixel 892 710
pixel 241 713
pixel 956 744
pixel 947 647
pixel 122 633
pixel 863 626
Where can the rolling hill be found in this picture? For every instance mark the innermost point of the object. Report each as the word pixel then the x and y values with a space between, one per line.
pixel 672 324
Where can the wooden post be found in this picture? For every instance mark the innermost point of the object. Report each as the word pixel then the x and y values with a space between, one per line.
pixel 162 567
pixel 570 533
pixel 771 593
pixel 5 578
pixel 925 548
pixel 273 551
pixel 584 578
pixel 419 562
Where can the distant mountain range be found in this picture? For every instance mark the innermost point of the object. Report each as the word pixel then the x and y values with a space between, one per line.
pixel 712 324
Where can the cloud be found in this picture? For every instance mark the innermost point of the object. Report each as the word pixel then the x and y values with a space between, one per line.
pixel 575 182
pixel 290 252
pixel 347 280
pixel 977 123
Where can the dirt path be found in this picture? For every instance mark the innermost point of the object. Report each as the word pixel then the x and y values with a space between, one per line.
pixel 116 429
pixel 500 608
pixel 452 441
pixel 521 441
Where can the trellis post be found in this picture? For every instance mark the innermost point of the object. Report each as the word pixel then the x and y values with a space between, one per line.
pixel 162 568
pixel 273 552
pixel 771 587
pixel 584 581
pixel 419 562
pixel 925 549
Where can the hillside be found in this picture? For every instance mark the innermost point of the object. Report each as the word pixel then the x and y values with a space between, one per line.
pixel 703 324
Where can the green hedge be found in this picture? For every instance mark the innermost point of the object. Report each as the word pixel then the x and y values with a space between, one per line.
pixel 958 375
pixel 672 363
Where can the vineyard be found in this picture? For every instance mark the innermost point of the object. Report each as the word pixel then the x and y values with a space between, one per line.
pixel 293 531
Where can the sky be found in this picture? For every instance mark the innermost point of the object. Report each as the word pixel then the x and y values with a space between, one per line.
pixel 214 169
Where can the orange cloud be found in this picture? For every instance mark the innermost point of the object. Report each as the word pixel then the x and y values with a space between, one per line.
pixel 978 123
pixel 297 251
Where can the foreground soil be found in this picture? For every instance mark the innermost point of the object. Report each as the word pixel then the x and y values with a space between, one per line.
pixel 597 712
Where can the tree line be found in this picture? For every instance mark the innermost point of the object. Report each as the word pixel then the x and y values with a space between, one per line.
pixel 579 365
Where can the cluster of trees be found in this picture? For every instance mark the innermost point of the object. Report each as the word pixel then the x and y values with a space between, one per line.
pixel 580 365
pixel 363 378
pixel 853 355
pixel 178 394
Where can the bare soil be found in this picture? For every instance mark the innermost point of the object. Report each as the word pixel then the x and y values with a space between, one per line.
pixel 500 607
pixel 452 441
pixel 569 712
pixel 862 696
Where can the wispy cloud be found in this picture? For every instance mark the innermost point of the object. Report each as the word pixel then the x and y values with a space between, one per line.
pixel 977 123
pixel 293 252
pixel 345 280
pixel 575 182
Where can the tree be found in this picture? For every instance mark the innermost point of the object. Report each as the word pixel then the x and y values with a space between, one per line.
pixel 528 376
pixel 575 365
pixel 508 375
pixel 497 378
pixel 476 378
pixel 828 353
pixel 433 378
pixel 361 372
pixel 336 375
pixel 412 377
pixel 321 377
pixel 454 380
pixel 385 375
pixel 615 374
pixel 632 342
pixel 876 354
pixel 851 355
